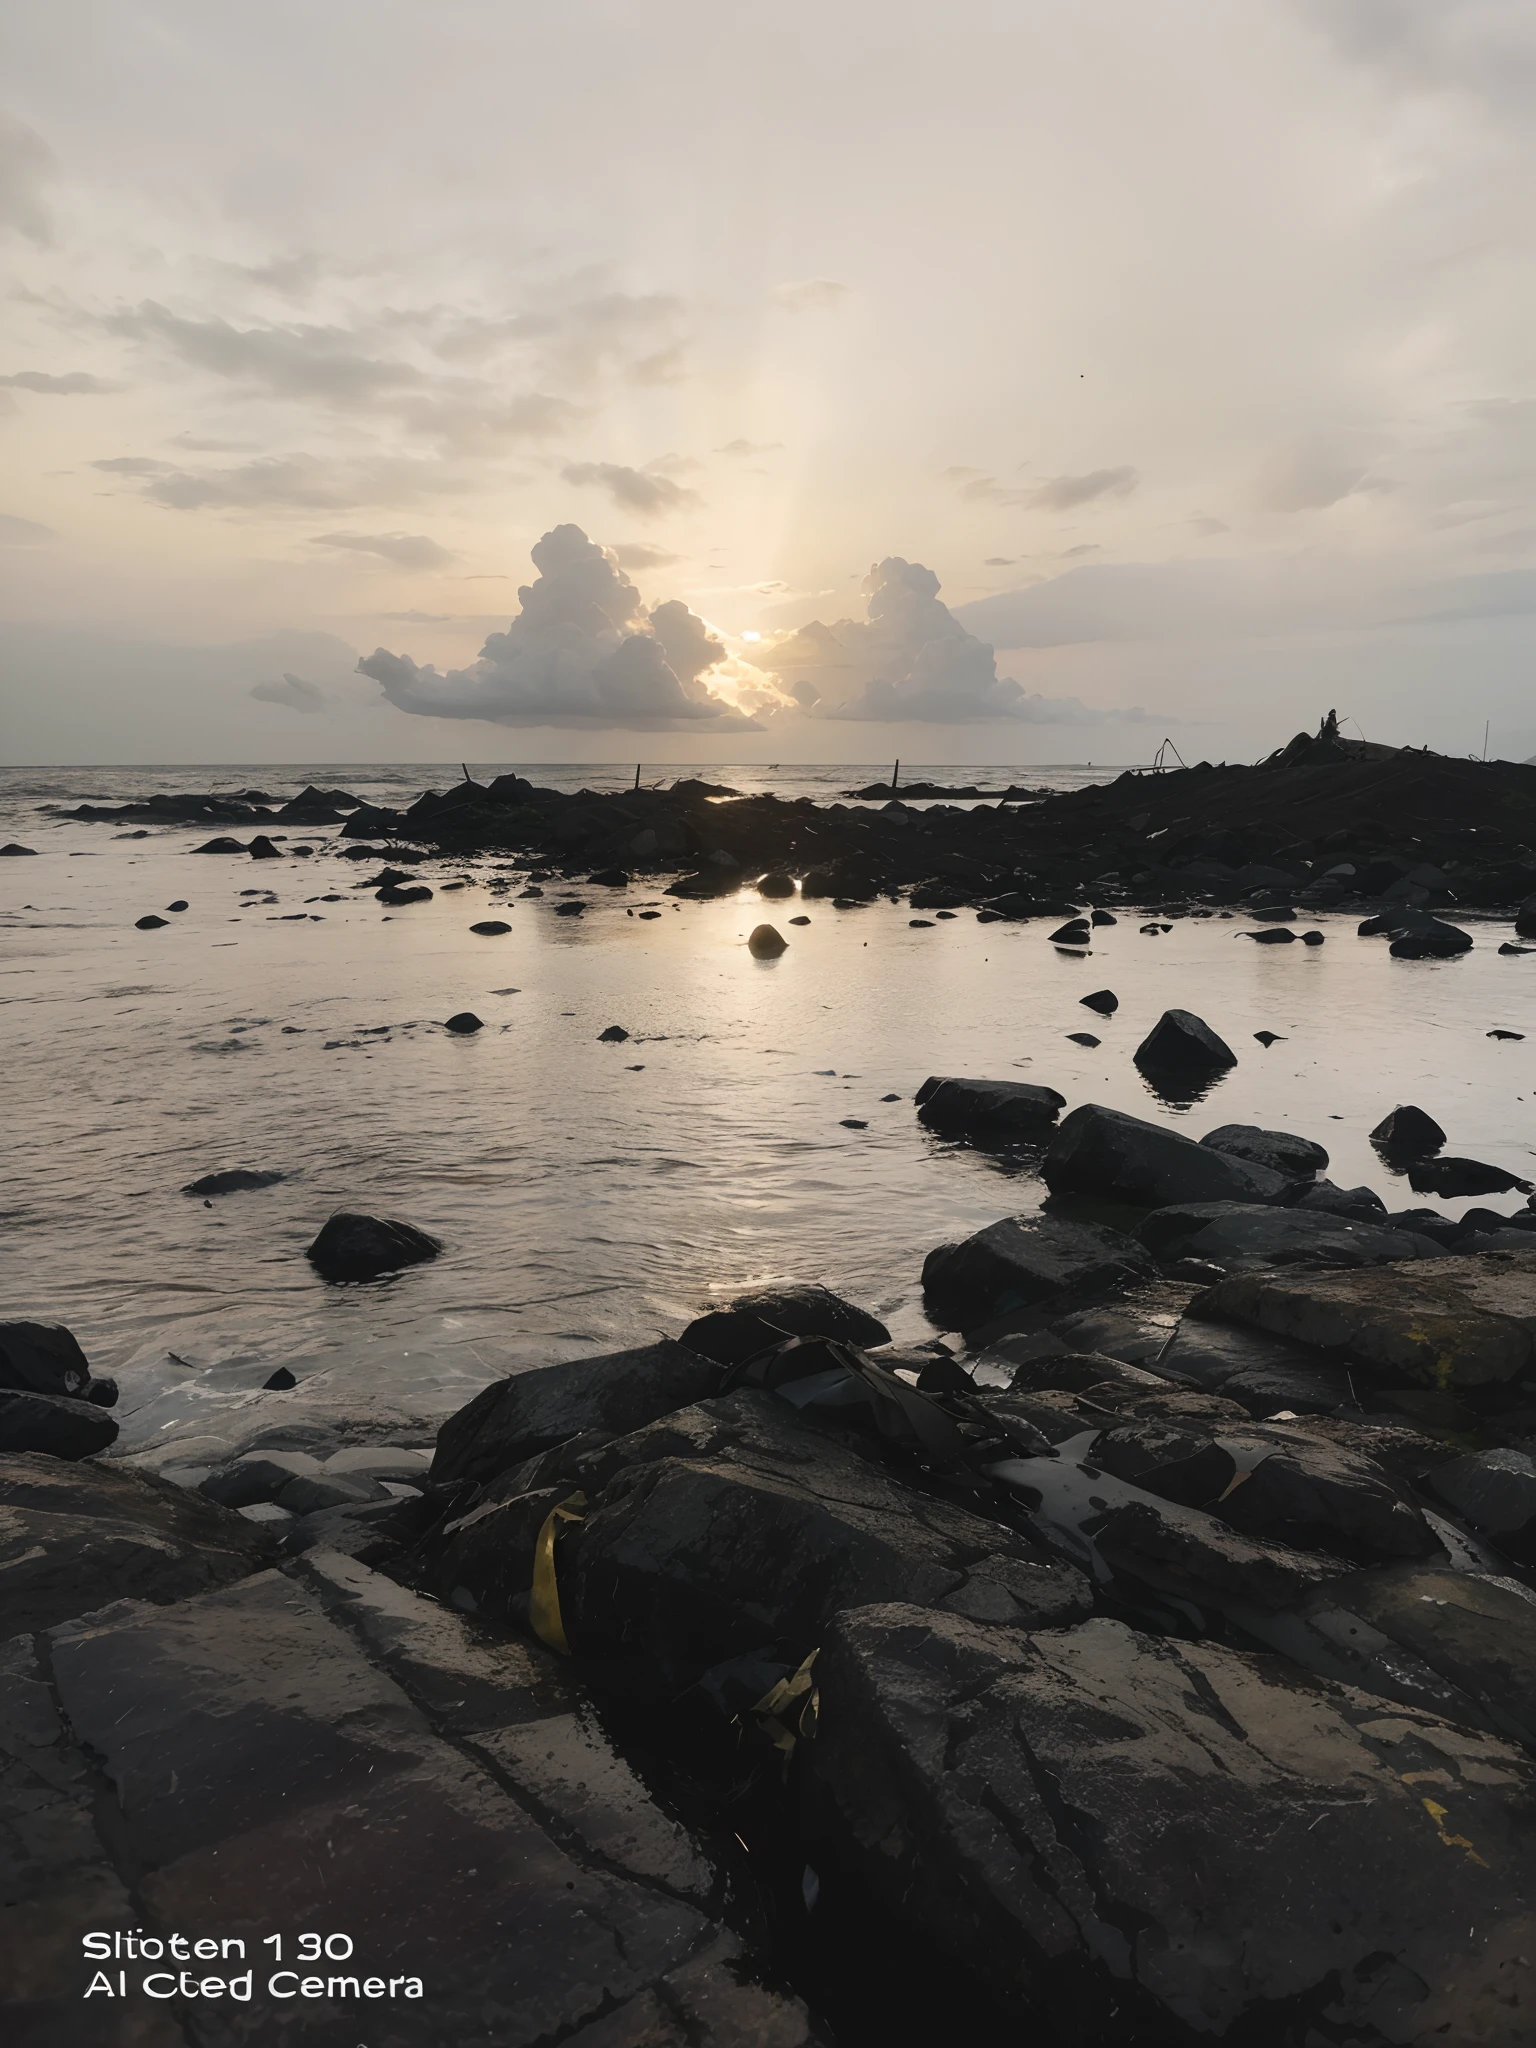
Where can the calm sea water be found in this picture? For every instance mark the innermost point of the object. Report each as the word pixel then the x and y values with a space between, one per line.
pixel 589 1194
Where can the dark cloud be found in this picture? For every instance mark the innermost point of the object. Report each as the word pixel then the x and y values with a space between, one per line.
pixel 404 550
pixel 292 692
pixel 583 651
pixel 23 533
pixel 999 562
pixel 72 384
pixel 27 168
pixel 632 490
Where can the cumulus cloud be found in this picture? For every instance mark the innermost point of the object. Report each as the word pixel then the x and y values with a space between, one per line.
pixel 816 295
pixel 23 533
pixel 404 550
pixel 27 168
pixel 908 659
pixel 292 692
pixel 72 384
pixel 583 651
pixel 632 490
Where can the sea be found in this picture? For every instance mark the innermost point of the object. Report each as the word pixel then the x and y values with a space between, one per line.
pixel 757 1123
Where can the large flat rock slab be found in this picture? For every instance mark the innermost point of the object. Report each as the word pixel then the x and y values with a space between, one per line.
pixel 75 1535
pixel 255 1773
pixel 1452 1322
pixel 1140 1839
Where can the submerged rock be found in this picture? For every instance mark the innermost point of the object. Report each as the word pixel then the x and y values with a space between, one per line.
pixel 1408 1133
pixel 765 943
pixel 994 1108
pixel 464 1023
pixel 1449 1177
pixel 1073 1818
pixel 234 1180
pixel 355 1247
pixel 1104 1000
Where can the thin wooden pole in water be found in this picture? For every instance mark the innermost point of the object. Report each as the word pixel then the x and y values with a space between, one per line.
pixel 637 775
pixel 894 773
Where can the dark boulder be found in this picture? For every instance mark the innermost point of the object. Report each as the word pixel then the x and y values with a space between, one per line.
pixel 991 1108
pixel 614 1035
pixel 765 943
pixel 235 1180
pixel 150 923
pixel 1525 918
pixel 74 1536
pixel 12 851
pixel 43 1358
pixel 1496 1492
pixel 54 1423
pixel 397 893
pixel 464 1023
pixel 1127 1838
pixel 609 878
pixel 1110 1156
pixel 756 1322
pixel 1408 1133
pixel 1242 1236
pixel 1431 940
pixel 1280 1151
pixel 224 845
pixel 1025 1262
pixel 261 848
pixel 491 928
pixel 1182 1044
pixel 731 1527
pixel 573 908
pixel 776 884
pixel 1259 1373
pixel 1362 1203
pixel 1104 1000
pixel 1075 933
pixel 354 1247
pixel 534 1411
pixel 1448 1176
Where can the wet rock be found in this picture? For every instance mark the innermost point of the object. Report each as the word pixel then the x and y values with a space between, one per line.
pixel 990 1108
pixel 1274 1484
pixel 1281 1151
pixel 1408 1133
pixel 224 845
pixel 258 1476
pixel 150 923
pixel 1241 1236
pixel 795 1309
pixel 776 884
pixel 43 1358
pixel 614 1035
pixel 179 904
pixel 1457 1643
pixel 532 1412
pixel 1448 1177
pixel 1525 918
pixel 397 894
pixel 1103 917
pixel 1496 1492
pixel 75 1535
pixel 355 1247
pixel 1362 1203
pixel 279 1382
pixel 464 1022
pixel 261 848
pixel 1104 1000
pixel 1072 1818
pixel 234 1180
pixel 1075 933
pixel 517 1932
pixel 574 908
pixel 732 1526
pixel 1431 940
pixel 1313 938
pixel 609 878
pixel 1445 1323
pixel 311 1493
pixel 12 851
pixel 1084 1038
pixel 1268 1038
pixel 765 943
pixel 1181 1044
pixel 1108 1155
pixel 1274 935
pixel 491 928
pixel 1260 1373
pixel 54 1423
pixel 1025 1262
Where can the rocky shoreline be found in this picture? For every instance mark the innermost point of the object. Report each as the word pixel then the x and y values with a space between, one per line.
pixel 1149 1656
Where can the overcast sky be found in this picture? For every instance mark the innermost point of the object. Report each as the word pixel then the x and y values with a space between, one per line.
pixel 1004 381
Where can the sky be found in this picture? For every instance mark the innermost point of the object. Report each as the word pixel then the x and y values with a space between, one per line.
pixel 561 379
